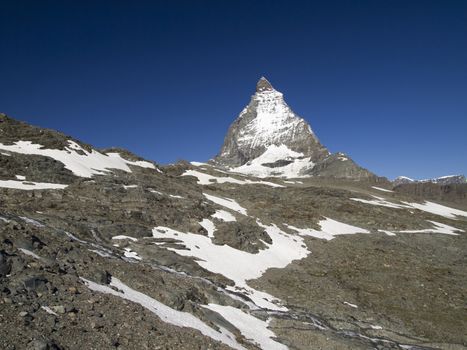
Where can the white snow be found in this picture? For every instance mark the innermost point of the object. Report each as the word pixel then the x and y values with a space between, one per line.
pixel 438 228
pixel 175 196
pixel 206 179
pixel 28 252
pixel 226 202
pixel 120 237
pixel 429 207
pixel 49 310
pixel 404 178
pixel 209 226
pixel 198 163
pixel 274 121
pixel 31 221
pixel 329 229
pixel 252 328
pixel 223 215
pixel 381 202
pixel 381 189
pixel 20 177
pixel 131 254
pixel 351 305
pixel 164 312
pixel 375 327
pixel 20 185
pixel 438 209
pixel 129 186
pixel 389 233
pixel 238 265
pixel 272 154
pixel 84 163
pixel 154 191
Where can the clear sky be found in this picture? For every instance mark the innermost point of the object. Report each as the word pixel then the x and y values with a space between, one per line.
pixel 384 81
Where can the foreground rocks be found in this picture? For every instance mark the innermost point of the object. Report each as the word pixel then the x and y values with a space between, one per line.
pixel 383 289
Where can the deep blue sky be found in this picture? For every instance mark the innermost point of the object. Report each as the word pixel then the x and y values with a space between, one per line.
pixel 384 81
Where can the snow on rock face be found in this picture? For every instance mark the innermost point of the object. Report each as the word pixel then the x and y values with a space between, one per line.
pixel 238 265
pixel 164 312
pixel 329 229
pixel 277 161
pixel 206 179
pixel 20 185
pixel 266 121
pixel 76 159
pixel 226 202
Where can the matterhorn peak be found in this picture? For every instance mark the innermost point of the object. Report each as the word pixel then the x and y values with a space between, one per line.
pixel 266 126
pixel 269 139
pixel 263 85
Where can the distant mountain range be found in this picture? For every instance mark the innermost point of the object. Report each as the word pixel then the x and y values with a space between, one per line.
pixel 443 180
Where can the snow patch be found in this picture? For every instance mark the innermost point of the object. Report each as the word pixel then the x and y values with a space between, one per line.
pixel 120 237
pixel 438 228
pixel 206 179
pixel 84 163
pixel 209 226
pixel 438 209
pixel 226 202
pixel 131 254
pixel 273 154
pixel 381 202
pixel 19 185
pixel 49 310
pixel 253 329
pixel 223 215
pixel 329 229
pixel 381 189
pixel 238 265
pixel 29 253
pixel 351 305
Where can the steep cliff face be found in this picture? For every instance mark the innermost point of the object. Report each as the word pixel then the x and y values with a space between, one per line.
pixel 268 121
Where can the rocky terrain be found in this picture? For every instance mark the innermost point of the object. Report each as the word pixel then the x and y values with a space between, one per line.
pixel 100 249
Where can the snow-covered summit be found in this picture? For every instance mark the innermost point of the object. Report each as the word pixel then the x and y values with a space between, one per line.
pixel 268 120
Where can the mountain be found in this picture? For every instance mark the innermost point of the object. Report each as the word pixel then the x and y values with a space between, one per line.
pixel 443 180
pixel 269 139
pixel 101 249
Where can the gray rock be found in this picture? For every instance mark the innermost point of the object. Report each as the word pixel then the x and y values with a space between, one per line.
pixel 5 264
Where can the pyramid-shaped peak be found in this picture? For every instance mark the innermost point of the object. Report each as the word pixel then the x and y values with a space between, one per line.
pixel 263 85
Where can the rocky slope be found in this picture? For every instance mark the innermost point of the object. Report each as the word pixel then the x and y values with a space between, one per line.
pixel 269 139
pixel 100 249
